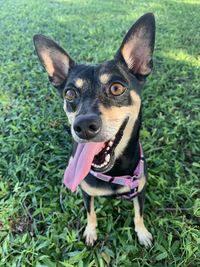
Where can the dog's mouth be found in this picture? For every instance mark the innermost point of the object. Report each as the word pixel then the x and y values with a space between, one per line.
pixel 99 157
pixel 105 159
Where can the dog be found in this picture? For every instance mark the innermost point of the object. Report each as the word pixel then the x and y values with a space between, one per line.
pixel 103 105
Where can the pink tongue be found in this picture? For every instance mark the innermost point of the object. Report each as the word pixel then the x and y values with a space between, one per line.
pixel 79 166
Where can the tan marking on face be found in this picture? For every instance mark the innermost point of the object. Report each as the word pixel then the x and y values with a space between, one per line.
pixel 113 118
pixel 70 115
pixel 65 106
pixel 104 78
pixel 79 83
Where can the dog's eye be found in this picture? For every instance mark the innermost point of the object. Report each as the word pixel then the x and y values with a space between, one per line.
pixel 70 95
pixel 117 89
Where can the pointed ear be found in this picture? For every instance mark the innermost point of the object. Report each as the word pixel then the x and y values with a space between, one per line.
pixel 137 47
pixel 55 60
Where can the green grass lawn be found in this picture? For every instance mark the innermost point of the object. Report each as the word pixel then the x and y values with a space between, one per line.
pixel 41 222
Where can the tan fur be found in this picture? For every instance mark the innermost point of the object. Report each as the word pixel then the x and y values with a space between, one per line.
pixel 123 189
pixel 112 119
pixel 48 63
pixel 93 191
pixel 91 217
pixel 104 78
pixel 79 83
pixel 139 48
pixel 65 106
pixel 70 115
pixel 90 230
pixel 137 218
pixel 116 115
pixel 144 236
pixel 142 182
pixel 47 57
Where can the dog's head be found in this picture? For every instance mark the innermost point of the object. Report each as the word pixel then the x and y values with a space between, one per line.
pixel 102 102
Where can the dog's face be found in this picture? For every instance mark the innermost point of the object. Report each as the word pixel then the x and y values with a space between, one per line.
pixel 102 102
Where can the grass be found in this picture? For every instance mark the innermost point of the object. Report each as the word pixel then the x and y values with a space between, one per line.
pixel 41 223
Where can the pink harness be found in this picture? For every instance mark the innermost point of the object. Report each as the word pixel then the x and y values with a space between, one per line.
pixel 126 180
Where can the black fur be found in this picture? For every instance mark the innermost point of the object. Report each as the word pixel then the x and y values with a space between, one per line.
pixel 129 68
pixel 87 200
pixel 124 165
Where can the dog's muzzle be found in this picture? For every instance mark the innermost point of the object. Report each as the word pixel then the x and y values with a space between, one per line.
pixel 87 126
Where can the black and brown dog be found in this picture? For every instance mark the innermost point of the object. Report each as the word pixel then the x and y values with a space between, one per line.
pixel 103 105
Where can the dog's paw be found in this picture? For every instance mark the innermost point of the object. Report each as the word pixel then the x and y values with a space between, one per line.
pixel 145 237
pixel 90 235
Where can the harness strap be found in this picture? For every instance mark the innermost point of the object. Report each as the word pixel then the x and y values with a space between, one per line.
pixel 126 180
pixel 120 180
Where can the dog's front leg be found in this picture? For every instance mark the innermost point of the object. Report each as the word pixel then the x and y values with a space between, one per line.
pixel 144 236
pixel 90 230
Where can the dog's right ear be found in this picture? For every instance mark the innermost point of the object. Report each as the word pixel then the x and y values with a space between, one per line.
pixel 137 47
pixel 55 60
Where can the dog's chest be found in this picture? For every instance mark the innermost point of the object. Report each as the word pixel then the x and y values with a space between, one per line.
pixel 94 187
pixel 96 190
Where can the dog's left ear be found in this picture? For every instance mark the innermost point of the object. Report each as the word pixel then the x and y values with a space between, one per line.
pixel 54 59
pixel 138 45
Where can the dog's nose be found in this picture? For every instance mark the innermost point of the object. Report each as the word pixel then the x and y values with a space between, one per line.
pixel 87 126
